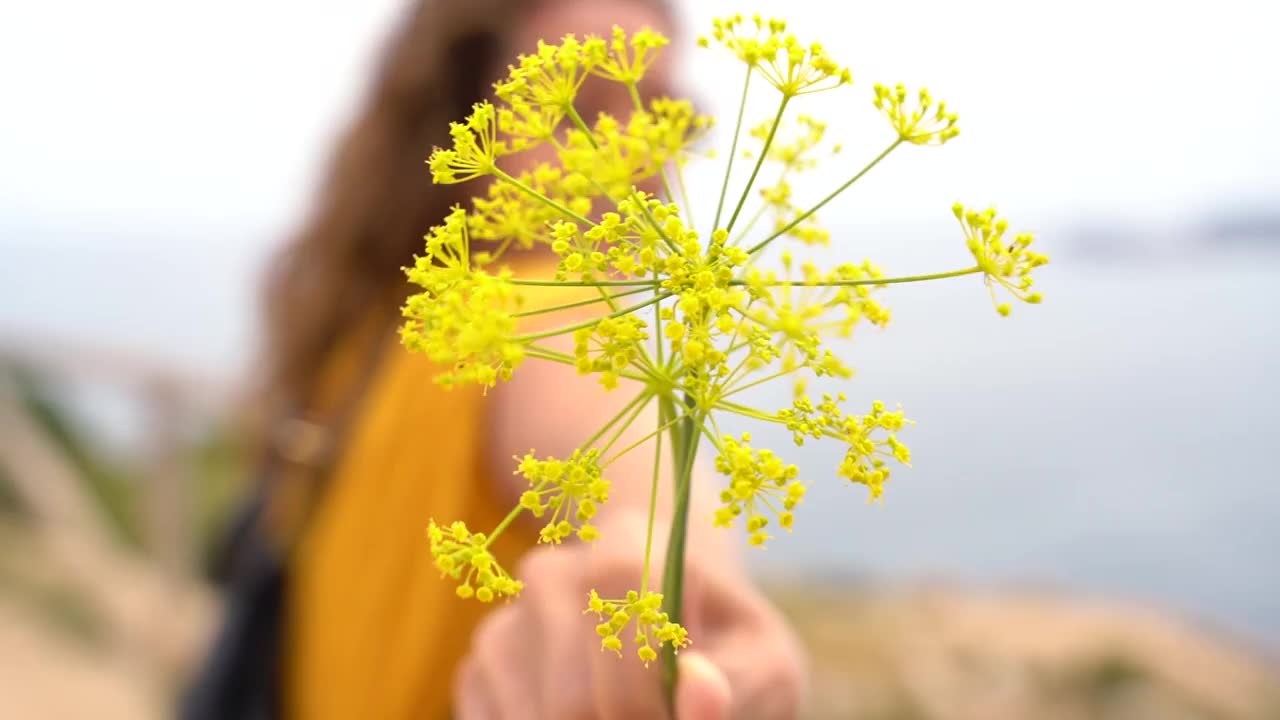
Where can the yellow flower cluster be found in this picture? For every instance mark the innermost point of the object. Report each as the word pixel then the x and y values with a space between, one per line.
pixel 795 156
pixel 572 489
pixel 759 483
pixel 463 318
pixel 508 216
pixel 796 315
pixel 1008 266
pixel 624 59
pixel 865 460
pixel 688 314
pixel 609 347
pixel 476 148
pixel 645 610
pixel 465 557
pixel 786 63
pixel 920 124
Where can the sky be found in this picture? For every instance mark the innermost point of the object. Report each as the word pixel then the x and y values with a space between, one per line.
pixel 153 151
pixel 209 121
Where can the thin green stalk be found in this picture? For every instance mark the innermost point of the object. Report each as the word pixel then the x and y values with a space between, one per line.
pixel 593 321
pixel 617 435
pixel 616 456
pixel 684 193
pixel 764 153
pixel 804 216
pixel 541 353
pixel 875 281
pixel 735 390
pixel 511 516
pixel 733 148
pixel 640 398
pixel 653 504
pixel 498 173
pixel 580 303
pixel 638 102
pixel 582 125
pixel 583 283
pixel 750 225
pixel 673 571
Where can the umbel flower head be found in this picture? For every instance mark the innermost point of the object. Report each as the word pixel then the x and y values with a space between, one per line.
pixel 689 315
pixel 920 123
pixel 462 319
pixel 787 64
pixel 644 611
pixel 465 557
pixel 1007 265
pixel 572 490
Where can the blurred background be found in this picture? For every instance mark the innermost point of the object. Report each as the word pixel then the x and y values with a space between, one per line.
pixel 1091 524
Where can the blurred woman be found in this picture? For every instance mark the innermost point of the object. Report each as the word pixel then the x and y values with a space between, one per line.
pixel 364 448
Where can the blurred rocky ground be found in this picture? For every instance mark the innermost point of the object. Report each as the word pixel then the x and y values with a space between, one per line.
pixel 938 653
pixel 105 603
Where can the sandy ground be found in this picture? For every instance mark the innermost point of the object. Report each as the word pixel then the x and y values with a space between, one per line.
pixel 49 675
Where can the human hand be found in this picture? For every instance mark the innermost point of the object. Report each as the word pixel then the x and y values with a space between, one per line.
pixel 538 658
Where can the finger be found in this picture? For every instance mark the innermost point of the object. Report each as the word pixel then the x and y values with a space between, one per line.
pixel 566 689
pixel 748 643
pixel 625 688
pixel 470 701
pixel 507 672
pixel 702 690
pixel 763 669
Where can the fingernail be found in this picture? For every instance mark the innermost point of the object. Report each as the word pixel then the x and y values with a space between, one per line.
pixel 703 691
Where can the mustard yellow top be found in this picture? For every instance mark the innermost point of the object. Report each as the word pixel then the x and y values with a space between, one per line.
pixel 373 630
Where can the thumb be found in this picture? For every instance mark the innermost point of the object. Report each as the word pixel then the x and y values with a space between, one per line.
pixel 702 691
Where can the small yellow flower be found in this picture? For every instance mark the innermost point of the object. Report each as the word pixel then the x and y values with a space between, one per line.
pixel 787 64
pixel 652 625
pixel 465 557
pixel 571 489
pixel 923 123
pixel 464 318
pixel 759 484
pixel 475 148
pixel 621 59
pixel 1008 266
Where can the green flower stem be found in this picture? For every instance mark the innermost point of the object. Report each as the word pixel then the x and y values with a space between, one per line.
pixel 638 102
pixel 582 125
pixel 580 303
pixel 764 153
pixel 640 399
pixel 511 516
pixel 685 440
pixel 733 148
pixel 657 318
pixel 498 173
pixel 588 323
pixel 584 283
pixel 786 229
pixel 623 428
pixel 661 427
pixel 878 281
pixel 746 411
pixel 746 230
pixel 635 95
pixel 653 501
pixel 684 193
pixel 541 353
pixel 737 389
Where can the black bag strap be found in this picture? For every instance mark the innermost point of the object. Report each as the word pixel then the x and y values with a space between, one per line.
pixel 241 675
